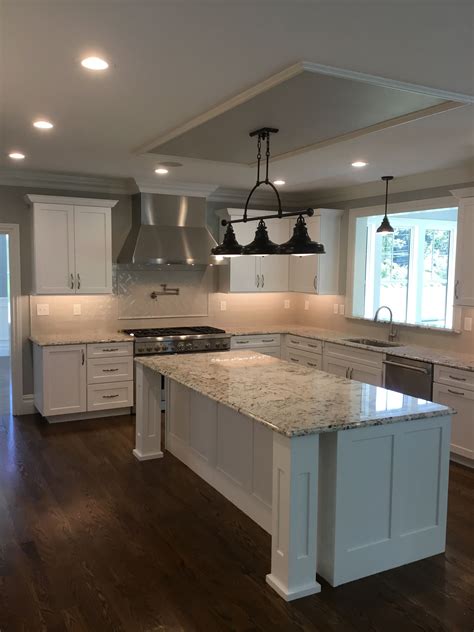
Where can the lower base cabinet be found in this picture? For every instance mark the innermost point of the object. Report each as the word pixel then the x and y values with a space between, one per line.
pixel 74 379
pixel 353 364
pixel 267 344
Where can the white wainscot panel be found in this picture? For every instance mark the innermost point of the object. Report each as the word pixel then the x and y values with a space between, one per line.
pixel 234 446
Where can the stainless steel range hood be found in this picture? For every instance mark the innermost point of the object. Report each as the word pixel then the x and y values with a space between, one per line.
pixel 168 229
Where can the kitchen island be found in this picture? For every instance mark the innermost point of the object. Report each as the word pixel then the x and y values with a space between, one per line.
pixel 349 479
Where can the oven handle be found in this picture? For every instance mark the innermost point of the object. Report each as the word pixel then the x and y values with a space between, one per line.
pixel 417 369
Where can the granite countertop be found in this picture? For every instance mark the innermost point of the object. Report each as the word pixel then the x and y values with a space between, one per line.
pixel 289 399
pixel 80 338
pixel 425 354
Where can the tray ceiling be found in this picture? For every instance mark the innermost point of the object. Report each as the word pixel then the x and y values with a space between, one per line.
pixel 311 109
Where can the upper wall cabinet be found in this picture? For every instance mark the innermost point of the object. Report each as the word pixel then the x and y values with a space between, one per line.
pixel 319 274
pixel 72 245
pixel 255 274
pixel 464 284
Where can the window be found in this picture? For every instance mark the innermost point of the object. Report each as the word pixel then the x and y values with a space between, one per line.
pixel 410 270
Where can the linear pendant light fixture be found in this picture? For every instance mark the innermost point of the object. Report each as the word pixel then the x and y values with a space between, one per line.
pixel 300 244
pixel 385 227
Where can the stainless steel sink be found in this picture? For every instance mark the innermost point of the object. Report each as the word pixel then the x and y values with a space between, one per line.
pixel 372 342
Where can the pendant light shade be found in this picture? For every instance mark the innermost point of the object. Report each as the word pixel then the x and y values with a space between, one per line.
pixel 261 245
pixel 301 244
pixel 385 227
pixel 230 247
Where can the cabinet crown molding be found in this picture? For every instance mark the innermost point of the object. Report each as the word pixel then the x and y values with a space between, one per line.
pixel 77 201
pixel 466 192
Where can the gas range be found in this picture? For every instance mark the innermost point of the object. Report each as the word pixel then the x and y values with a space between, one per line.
pixel 178 340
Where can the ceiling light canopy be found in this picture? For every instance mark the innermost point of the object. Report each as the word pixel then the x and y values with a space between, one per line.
pixel 161 171
pixel 94 63
pixel 16 155
pixel 359 164
pixel 42 124
pixel 385 227
pixel 300 244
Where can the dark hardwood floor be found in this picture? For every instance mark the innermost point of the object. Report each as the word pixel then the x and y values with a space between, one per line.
pixel 90 539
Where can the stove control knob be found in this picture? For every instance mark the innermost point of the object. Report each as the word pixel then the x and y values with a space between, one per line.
pixel 149 349
pixel 180 346
pixel 189 345
pixel 207 345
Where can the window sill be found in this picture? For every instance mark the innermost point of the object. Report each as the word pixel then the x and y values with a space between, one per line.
pixel 438 330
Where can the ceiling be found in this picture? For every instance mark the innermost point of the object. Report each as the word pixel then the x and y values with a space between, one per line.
pixel 173 61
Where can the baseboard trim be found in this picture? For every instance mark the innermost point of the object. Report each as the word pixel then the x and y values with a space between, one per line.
pixel 96 414
pixel 27 406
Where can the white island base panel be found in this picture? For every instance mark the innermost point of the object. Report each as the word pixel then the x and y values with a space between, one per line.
pixel 343 504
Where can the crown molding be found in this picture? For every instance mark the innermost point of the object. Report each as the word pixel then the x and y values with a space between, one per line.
pixel 64 181
pixel 33 198
pixel 193 189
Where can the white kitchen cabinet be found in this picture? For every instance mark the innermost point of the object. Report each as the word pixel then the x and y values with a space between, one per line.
pixel 72 245
pixel 60 374
pixel 268 344
pixel 356 364
pixel 464 283
pixel 74 379
pixel 455 388
pixel 304 358
pixel 255 274
pixel 319 274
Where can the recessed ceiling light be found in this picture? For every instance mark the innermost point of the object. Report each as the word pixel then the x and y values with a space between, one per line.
pixel 94 63
pixel 278 182
pixel 161 171
pixel 16 155
pixel 360 163
pixel 43 124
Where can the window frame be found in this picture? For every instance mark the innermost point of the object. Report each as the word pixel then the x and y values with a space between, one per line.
pixel 356 269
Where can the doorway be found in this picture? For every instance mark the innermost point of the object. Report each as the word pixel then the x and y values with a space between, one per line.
pixel 5 327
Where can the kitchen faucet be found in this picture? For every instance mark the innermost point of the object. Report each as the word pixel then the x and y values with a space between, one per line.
pixel 393 331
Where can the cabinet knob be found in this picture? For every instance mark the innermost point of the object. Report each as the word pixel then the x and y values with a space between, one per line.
pixel 456 287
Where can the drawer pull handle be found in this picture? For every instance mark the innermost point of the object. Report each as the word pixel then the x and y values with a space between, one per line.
pixel 455 392
pixel 242 342
pixel 268 339
pixel 313 346
pixel 109 396
pixel 312 364
pixel 109 370
pixel 458 379
pixel 109 350
pixel 294 359
pixel 295 342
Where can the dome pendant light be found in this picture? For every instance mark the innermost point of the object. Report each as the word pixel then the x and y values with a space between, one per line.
pixel 230 247
pixel 385 227
pixel 261 245
pixel 301 244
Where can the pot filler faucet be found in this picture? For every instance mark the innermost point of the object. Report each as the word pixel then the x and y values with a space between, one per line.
pixel 393 332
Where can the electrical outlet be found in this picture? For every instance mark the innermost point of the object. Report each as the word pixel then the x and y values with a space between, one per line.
pixel 467 323
pixel 306 305
pixel 335 308
pixel 223 306
pixel 342 309
pixel 286 304
pixel 42 309
pixel 76 309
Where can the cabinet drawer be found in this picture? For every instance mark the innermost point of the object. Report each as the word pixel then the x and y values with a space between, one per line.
pixel 351 354
pixel 242 342
pixel 105 396
pixel 305 344
pixel 462 424
pixel 103 370
pixel 106 350
pixel 304 358
pixel 454 377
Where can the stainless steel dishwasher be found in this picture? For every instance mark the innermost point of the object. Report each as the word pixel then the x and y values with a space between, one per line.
pixel 411 377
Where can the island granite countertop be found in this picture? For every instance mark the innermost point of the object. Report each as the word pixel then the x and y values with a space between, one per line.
pixel 289 399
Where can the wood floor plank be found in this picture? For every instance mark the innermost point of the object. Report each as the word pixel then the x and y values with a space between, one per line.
pixel 92 540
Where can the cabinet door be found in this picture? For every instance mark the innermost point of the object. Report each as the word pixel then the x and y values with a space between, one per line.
pixel 53 266
pixel 274 268
pixel 304 270
pixel 64 380
pixel 462 425
pixel 93 241
pixel 464 284
pixel 243 270
pixel 366 374
pixel 336 366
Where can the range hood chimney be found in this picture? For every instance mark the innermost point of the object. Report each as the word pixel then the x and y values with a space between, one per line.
pixel 168 229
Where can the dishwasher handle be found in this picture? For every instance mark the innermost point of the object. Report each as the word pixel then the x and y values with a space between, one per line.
pixel 417 369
